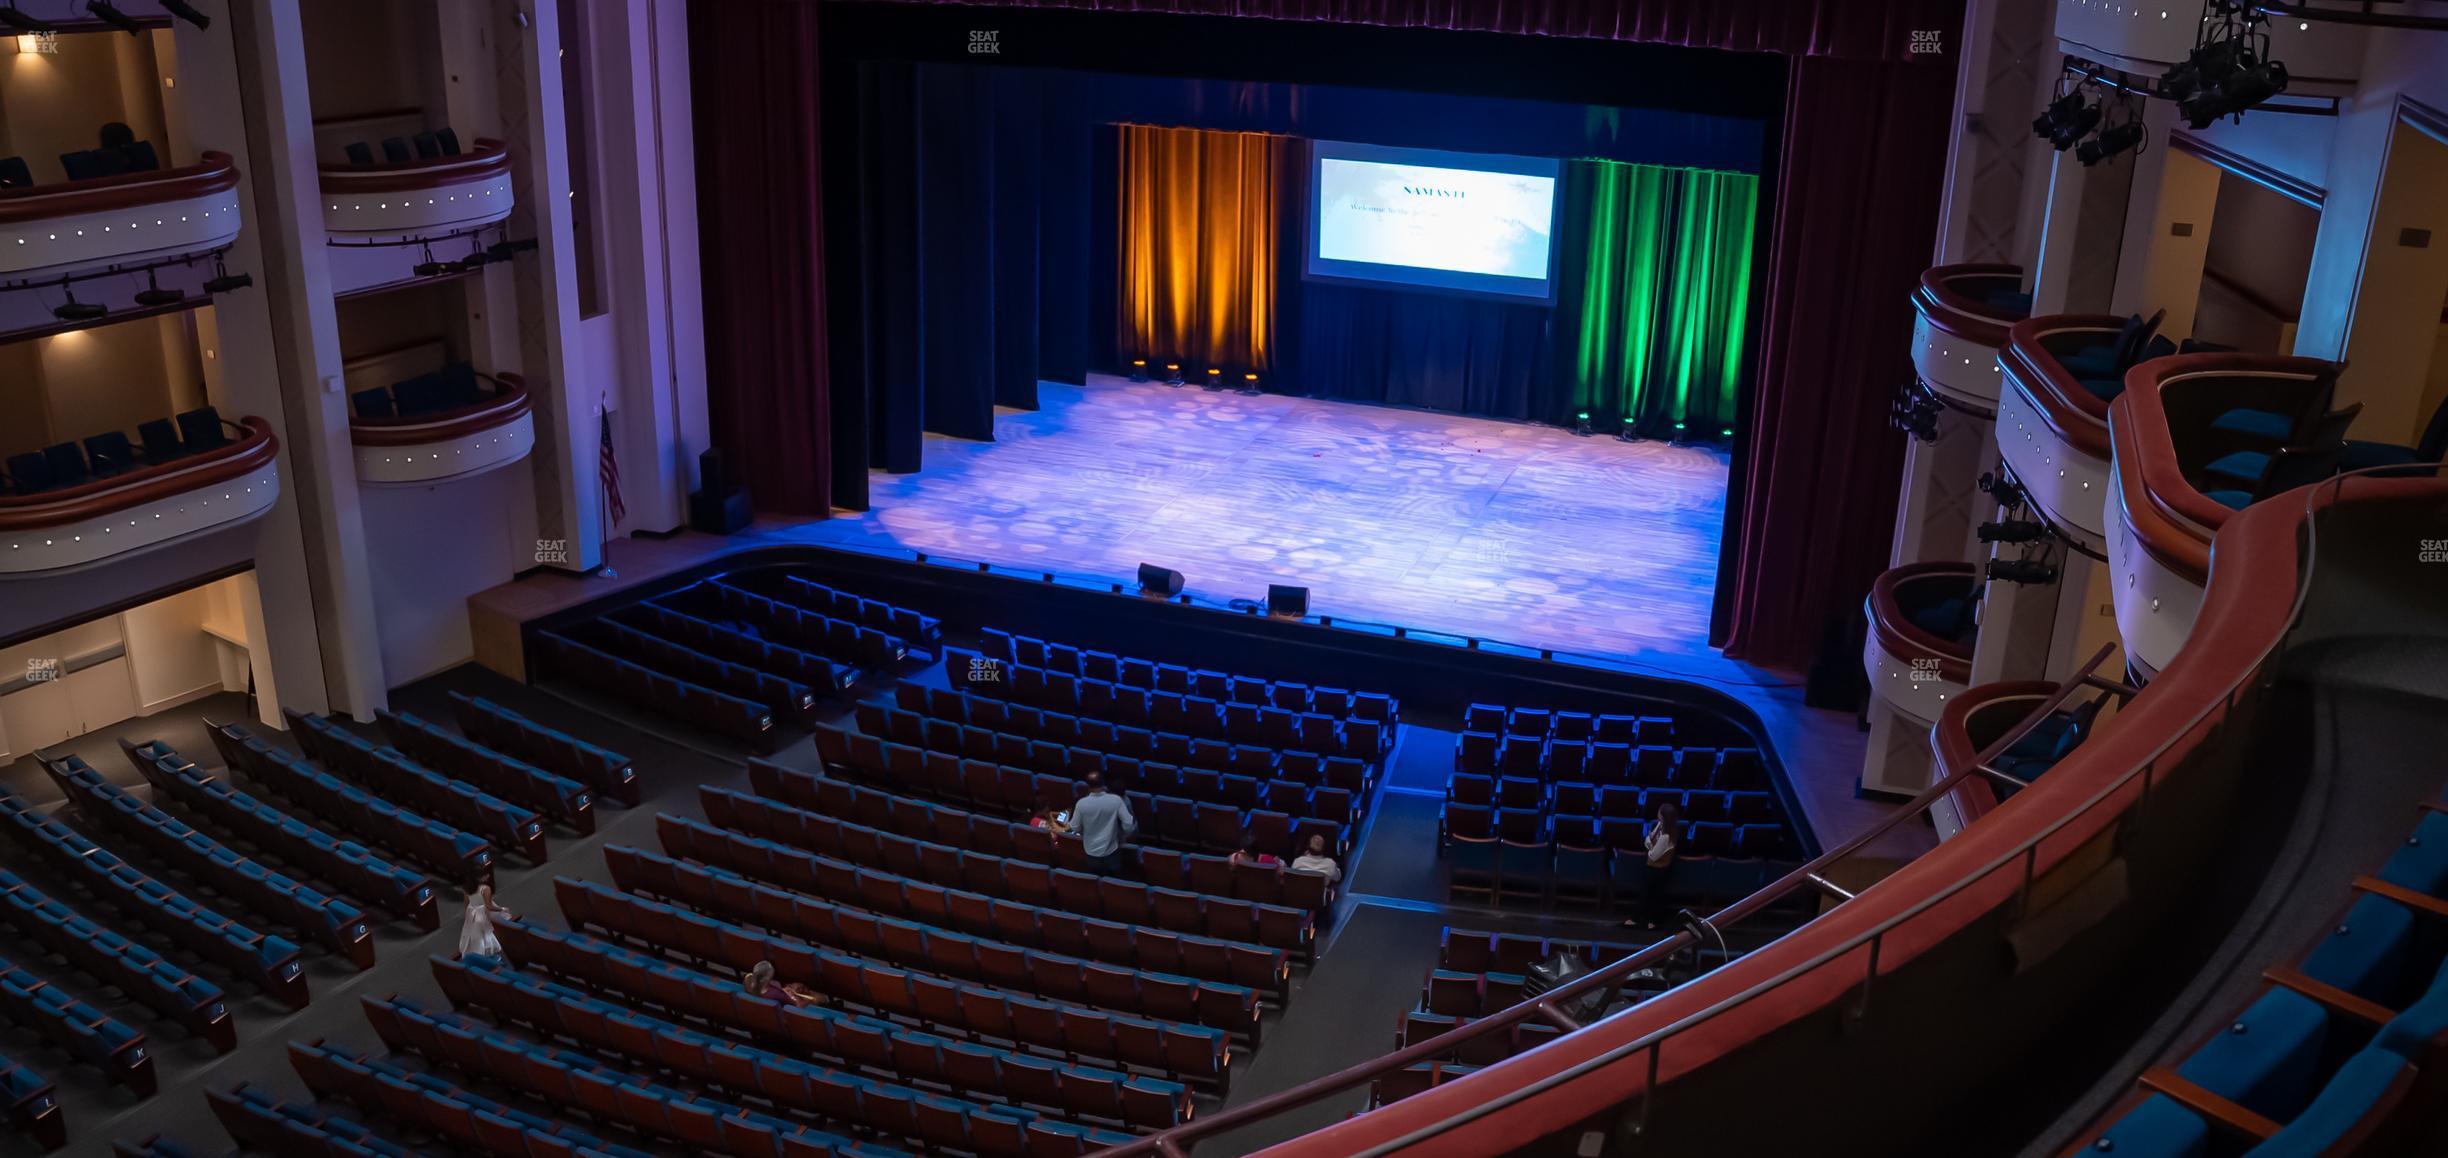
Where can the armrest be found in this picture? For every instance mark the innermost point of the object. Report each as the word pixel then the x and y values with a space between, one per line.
pixel 2423 903
pixel 2221 1112
pixel 2362 1008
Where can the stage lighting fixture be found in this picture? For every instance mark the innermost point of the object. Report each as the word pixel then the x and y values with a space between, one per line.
pixel 21 22
pixel 154 295
pixel 108 14
pixel 1138 370
pixel 1625 432
pixel 2002 489
pixel 429 267
pixel 1215 377
pixel 2011 531
pixel 1728 432
pixel 2067 119
pixel 2229 69
pixel 1581 424
pixel 503 250
pixel 1173 374
pixel 1249 383
pixel 73 310
pixel 1291 601
pixel 1159 581
pixel 2023 571
pixel 187 12
pixel 223 281
pixel 2111 141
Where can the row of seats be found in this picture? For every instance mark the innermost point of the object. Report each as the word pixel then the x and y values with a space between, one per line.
pixel 1163 771
pixel 1153 675
pixel 389 771
pixel 1638 730
pixel 452 387
pixel 1188 714
pixel 136 970
pixel 1416 1078
pixel 1461 993
pixel 117 151
pixel 334 920
pixel 873 1047
pixel 1604 763
pixel 1418 1025
pixel 429 146
pixel 32 1102
pixel 346 866
pixel 72 1023
pixel 913 628
pixel 704 707
pixel 271 961
pixel 882 1105
pixel 1521 793
pixel 1478 951
pixel 1186 1053
pixel 870 648
pixel 1176 821
pixel 110 454
pixel 729 897
pixel 958 709
pixel 885 811
pixel 737 863
pixel 787 698
pixel 1698 838
pixel 726 642
pixel 559 797
pixel 1045 919
pixel 463 857
pixel 551 749
pixel 1545 871
pixel 2335 1045
pixel 432 1104
pixel 259 1120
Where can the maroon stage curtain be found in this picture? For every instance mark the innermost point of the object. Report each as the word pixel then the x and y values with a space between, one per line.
pixel 1859 182
pixel 760 222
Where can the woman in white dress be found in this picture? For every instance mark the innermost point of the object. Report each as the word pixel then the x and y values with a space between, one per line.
pixel 476 937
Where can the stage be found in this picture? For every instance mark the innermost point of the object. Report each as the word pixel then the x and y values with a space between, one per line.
pixel 1504 530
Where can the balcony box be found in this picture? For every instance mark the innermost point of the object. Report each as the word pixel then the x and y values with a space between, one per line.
pixel 2052 424
pixel 424 448
pixel 376 217
pixel 143 508
pixel 1960 317
pixel 1915 657
pixel 105 233
pixel 1972 722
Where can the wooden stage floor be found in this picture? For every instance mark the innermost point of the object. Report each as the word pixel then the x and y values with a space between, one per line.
pixel 1503 530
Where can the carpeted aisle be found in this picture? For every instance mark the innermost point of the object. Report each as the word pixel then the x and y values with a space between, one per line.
pixel 1345 1012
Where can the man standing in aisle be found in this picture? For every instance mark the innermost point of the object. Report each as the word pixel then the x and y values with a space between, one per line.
pixel 1103 821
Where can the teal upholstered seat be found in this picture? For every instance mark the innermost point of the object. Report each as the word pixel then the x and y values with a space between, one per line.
pixel 2366 953
pixel 2421 863
pixel 2268 1059
pixel 2158 1128
pixel 2365 1088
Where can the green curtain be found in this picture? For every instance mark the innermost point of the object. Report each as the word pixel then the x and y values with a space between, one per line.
pixel 1656 311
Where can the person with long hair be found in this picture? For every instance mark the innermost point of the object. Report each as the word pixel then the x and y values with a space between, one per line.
pixel 1659 843
pixel 476 937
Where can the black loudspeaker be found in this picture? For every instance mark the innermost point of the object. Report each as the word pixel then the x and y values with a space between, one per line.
pixel 720 506
pixel 1157 580
pixel 714 472
pixel 1282 600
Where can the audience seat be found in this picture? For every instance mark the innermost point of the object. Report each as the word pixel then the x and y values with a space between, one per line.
pixel 458 856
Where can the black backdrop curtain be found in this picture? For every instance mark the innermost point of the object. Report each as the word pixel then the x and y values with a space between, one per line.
pixel 1440 351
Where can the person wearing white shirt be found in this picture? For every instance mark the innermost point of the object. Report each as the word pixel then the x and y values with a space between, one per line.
pixel 1314 860
pixel 1659 844
pixel 476 937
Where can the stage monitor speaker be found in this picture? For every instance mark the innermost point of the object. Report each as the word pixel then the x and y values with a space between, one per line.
pixel 1282 600
pixel 1157 580
pixel 713 472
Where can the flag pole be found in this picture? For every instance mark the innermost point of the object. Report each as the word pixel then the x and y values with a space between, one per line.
pixel 603 488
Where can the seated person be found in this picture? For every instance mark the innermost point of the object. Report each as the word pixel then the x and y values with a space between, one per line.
pixel 1249 854
pixel 759 982
pixel 1058 823
pixel 1314 859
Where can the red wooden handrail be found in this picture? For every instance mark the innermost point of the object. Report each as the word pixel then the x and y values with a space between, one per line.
pixel 490 158
pixel 2170 519
pixel 1898 635
pixel 2078 416
pixel 509 401
pixel 1953 312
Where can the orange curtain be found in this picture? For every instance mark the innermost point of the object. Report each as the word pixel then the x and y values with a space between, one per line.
pixel 1200 228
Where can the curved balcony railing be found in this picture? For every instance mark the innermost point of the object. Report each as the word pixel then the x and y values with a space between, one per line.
pixel 1961 315
pixel 2161 523
pixel 1918 652
pixel 140 508
pixel 50 231
pixel 410 200
pixel 2052 426
pixel 1868 980
pixel 1971 724
pixel 447 444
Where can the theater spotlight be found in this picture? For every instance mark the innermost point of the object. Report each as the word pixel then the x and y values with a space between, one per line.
pixel 2011 531
pixel 1173 374
pixel 1249 383
pixel 1215 377
pixel 1625 432
pixel 2229 69
pixel 223 281
pixel 73 310
pixel 21 22
pixel 187 12
pixel 429 267
pixel 103 11
pixel 1581 423
pixel 2067 119
pixel 2119 133
pixel 154 295
pixel 1138 370
pixel 2027 572
pixel 2002 489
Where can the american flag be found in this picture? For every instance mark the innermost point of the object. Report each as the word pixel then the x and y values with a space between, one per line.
pixel 608 469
